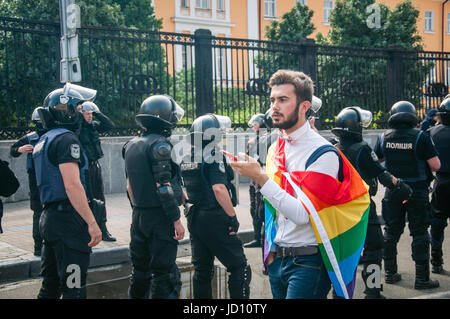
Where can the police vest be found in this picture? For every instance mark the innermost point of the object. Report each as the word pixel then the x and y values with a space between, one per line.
pixel 48 176
pixel 138 168
pixel 353 152
pixel 90 140
pixel 199 188
pixel 33 138
pixel 399 148
pixel 441 138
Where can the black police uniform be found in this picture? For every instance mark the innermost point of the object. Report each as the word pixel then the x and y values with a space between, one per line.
pixel 366 163
pixel 256 209
pixel 406 151
pixel 64 231
pixel 208 226
pixel 35 202
pixel 153 249
pixel 90 140
pixel 440 135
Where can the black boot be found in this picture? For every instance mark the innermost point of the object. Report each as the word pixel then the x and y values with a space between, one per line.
pixel 391 276
pixel 372 292
pixel 436 261
pixel 253 243
pixel 106 236
pixel 423 280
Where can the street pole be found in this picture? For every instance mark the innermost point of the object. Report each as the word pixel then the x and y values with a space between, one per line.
pixel 70 21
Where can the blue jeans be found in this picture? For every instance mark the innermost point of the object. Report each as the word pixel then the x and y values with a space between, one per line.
pixel 301 277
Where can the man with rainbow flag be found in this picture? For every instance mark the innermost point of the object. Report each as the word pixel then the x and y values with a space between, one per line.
pixel 317 205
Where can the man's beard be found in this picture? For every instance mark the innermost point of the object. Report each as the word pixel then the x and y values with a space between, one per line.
pixel 290 122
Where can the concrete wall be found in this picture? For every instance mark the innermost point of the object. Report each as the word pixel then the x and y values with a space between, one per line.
pixel 112 163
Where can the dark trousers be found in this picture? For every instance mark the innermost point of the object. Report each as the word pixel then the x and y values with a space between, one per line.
pixel 65 255
pixel 210 238
pixel 440 212
pixel 95 181
pixel 36 233
pixel 256 209
pixel 417 212
pixel 153 253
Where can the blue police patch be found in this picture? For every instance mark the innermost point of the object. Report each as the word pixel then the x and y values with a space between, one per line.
pixel 222 167
pixel 75 151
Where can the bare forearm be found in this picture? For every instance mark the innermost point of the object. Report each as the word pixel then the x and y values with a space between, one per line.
pixel 77 197
pixel 224 200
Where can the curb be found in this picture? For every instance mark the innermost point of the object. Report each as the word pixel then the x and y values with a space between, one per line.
pixel 15 270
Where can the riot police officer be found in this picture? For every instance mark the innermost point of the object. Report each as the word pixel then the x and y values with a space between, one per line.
pixel 67 224
pixel 154 189
pixel 212 220
pixel 89 138
pixel 410 155
pixel 440 135
pixel 348 129
pixel 257 122
pixel 25 145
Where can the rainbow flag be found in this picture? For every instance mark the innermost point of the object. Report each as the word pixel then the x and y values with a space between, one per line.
pixel 338 211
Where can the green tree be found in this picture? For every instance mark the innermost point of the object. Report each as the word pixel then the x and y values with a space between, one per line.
pixel 107 65
pixel 361 74
pixel 294 26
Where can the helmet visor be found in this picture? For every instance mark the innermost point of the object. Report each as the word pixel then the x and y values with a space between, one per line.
pixel 75 91
pixel 178 112
pixel 89 107
pixel 316 104
pixel 224 122
pixel 252 121
pixel 35 116
pixel 366 117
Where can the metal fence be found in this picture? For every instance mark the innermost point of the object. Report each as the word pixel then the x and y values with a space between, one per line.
pixel 206 74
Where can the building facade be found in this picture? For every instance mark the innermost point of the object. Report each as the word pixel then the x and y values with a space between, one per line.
pixel 248 19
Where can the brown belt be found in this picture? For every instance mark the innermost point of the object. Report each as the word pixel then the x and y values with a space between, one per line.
pixel 297 251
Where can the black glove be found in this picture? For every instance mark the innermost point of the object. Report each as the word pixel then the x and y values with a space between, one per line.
pixel 234 224
pixel 402 191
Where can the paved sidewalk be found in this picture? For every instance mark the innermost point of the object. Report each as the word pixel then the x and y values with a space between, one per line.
pixel 19 268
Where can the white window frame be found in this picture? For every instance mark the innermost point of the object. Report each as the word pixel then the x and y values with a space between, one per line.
pixel 302 2
pixel 184 3
pixel 203 4
pixel 270 8
pixel 328 6
pixel 448 23
pixel 429 21
pixel 220 5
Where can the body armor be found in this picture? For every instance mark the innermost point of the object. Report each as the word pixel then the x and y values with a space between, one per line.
pixel 48 177
pixel 139 172
pixel 399 147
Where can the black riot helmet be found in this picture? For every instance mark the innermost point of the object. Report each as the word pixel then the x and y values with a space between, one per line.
pixel 444 111
pixel 60 106
pixel 257 119
pixel 209 127
pixel 159 113
pixel 350 121
pixel 402 115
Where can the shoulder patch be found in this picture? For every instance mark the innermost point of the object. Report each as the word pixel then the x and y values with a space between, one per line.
pixel 222 167
pixel 75 151
pixel 374 156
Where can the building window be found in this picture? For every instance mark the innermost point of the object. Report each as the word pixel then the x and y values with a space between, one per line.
pixel 269 8
pixel 429 21
pixel 302 2
pixel 220 5
pixel 328 6
pixel 202 4
pixel 448 23
pixel 185 3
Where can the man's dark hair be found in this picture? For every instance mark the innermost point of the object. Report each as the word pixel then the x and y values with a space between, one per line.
pixel 303 85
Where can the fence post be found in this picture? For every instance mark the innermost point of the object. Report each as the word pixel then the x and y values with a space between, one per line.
pixel 308 58
pixel 395 75
pixel 203 72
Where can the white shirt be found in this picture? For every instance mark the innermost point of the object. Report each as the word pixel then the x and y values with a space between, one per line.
pixel 294 226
